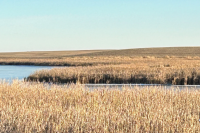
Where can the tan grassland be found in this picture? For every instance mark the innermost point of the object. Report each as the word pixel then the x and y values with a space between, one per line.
pixel 158 52
pixel 45 54
pixel 67 58
pixel 33 108
pixel 123 69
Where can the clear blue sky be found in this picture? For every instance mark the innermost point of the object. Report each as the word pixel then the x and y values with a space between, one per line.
pixel 32 25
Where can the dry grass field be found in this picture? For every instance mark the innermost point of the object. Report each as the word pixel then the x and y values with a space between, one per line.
pixel 67 58
pixel 45 54
pixel 33 108
pixel 158 52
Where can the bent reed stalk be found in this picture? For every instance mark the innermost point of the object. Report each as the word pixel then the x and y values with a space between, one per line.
pixel 33 108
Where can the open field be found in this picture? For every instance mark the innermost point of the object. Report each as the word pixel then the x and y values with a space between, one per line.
pixel 148 70
pixel 75 58
pixel 33 108
pixel 65 61
pixel 157 52
pixel 44 54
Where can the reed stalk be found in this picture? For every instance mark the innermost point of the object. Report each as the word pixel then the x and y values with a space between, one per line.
pixel 34 108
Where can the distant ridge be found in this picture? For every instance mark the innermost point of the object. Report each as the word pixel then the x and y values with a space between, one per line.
pixel 45 54
pixel 159 52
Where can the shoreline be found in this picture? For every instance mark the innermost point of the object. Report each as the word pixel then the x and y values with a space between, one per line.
pixel 33 64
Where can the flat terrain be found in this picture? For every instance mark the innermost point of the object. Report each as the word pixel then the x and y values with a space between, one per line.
pixel 46 54
pixel 157 52
pixel 93 57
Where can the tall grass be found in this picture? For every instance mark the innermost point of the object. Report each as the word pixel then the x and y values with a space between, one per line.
pixel 161 74
pixel 33 108
pixel 118 69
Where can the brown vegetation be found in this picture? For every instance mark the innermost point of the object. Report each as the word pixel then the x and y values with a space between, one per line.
pixel 158 52
pixel 147 70
pixel 148 65
pixel 33 108
pixel 68 61
pixel 66 58
pixel 44 54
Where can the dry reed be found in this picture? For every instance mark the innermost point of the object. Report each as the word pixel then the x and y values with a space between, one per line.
pixel 151 70
pixel 33 108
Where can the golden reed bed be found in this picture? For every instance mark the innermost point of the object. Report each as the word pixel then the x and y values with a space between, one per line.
pixel 146 70
pixel 33 108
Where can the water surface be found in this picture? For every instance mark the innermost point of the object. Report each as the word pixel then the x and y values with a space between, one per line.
pixel 140 86
pixel 10 72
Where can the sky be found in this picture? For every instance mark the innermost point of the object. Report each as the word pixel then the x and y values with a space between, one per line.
pixel 50 25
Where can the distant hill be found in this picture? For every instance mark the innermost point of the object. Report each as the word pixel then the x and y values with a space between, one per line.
pixel 46 54
pixel 159 52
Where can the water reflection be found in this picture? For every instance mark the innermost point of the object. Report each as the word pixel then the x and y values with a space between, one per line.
pixel 120 86
pixel 140 86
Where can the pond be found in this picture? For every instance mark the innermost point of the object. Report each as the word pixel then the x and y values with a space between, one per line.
pixel 10 72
